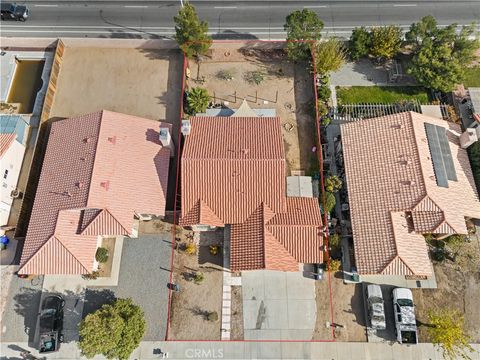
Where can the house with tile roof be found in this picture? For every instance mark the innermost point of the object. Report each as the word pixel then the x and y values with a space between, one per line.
pixel 14 131
pixel 233 175
pixel 406 176
pixel 100 170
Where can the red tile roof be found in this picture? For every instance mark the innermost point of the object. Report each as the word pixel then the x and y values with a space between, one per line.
pixel 229 161
pixel 390 177
pixel 99 169
pixel 233 172
pixel 5 141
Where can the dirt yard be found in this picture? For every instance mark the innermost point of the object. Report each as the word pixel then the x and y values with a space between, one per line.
pixel 347 310
pixel 192 304
pixel 285 87
pixel 458 288
pixel 130 81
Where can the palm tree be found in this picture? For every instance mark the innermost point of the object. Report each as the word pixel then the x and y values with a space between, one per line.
pixel 197 100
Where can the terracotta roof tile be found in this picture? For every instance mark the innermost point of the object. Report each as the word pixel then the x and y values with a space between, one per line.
pixel 389 169
pixel 102 160
pixel 5 141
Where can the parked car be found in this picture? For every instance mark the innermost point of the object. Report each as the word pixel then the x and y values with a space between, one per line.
pixel 376 308
pixel 404 311
pixel 12 11
pixel 51 324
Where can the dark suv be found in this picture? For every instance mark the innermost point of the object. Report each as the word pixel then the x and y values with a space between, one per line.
pixel 51 324
pixel 11 11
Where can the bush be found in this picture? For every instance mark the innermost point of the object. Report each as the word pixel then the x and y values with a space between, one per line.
pixel 360 42
pixel 197 100
pixel 334 265
pixel 212 316
pixel 91 276
pixel 333 183
pixel 322 109
pixel 334 241
pixel 214 249
pixel 101 255
pixel 226 75
pixel 324 93
pixel 199 277
pixel 330 202
pixel 191 249
pixel 254 77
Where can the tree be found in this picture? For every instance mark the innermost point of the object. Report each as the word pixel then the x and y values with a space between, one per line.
pixel 302 27
pixel 386 41
pixel 197 100
pixel 114 331
pixel 191 33
pixel 333 183
pixel 360 42
pixel 440 55
pixel 334 241
pixel 446 330
pixel 329 56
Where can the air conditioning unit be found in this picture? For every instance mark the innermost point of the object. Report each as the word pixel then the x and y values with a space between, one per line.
pixel 164 137
pixel 144 217
pixel 186 127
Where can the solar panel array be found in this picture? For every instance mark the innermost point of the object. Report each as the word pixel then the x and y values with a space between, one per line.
pixel 441 154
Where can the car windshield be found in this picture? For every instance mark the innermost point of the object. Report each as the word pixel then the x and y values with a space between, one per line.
pixel 49 312
pixel 375 300
pixel 378 318
pixel 405 302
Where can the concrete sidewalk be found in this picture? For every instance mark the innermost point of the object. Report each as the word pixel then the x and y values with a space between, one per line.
pixel 257 350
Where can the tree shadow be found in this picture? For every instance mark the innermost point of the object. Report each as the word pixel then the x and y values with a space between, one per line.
pixel 27 305
pixel 233 35
pixel 127 32
pixel 95 299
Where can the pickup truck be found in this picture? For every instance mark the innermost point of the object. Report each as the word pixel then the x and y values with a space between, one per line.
pixel 51 324
pixel 404 311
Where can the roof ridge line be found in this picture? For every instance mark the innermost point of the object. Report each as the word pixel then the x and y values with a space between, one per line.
pixel 94 158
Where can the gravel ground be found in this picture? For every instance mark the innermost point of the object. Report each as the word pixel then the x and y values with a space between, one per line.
pixel 143 276
pixel 237 313
pixel 21 309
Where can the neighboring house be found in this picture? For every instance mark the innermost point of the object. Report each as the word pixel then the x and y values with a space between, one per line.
pixel 474 94
pixel 13 139
pixel 233 174
pixel 99 171
pixel 406 176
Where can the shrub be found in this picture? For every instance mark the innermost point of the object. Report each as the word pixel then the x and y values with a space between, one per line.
pixel 322 109
pixel 197 100
pixel 333 184
pixel 214 249
pixel 324 92
pixel 255 77
pixel 360 42
pixel 326 120
pixel 199 277
pixel 334 265
pixel 91 276
pixel 212 316
pixel 191 249
pixel 330 202
pixel 226 75
pixel 334 241
pixel 101 255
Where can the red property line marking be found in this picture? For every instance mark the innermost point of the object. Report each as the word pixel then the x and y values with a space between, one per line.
pixel 320 160
pixel 174 227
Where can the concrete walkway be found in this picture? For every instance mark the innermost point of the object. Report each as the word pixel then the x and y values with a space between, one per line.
pixel 257 350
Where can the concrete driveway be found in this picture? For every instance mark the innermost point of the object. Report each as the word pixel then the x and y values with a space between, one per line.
pixel 278 305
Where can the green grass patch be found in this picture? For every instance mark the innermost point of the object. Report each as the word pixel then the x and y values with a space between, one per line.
pixel 472 77
pixel 381 94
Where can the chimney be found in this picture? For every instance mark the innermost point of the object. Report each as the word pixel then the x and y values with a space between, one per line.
pixel 186 127
pixel 469 137
pixel 166 139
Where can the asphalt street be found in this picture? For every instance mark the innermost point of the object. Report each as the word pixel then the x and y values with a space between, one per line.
pixel 227 19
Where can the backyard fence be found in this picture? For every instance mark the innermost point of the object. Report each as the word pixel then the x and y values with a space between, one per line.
pixel 52 84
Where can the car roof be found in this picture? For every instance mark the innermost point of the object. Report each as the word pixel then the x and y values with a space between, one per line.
pixel 52 301
pixel 374 290
pixel 402 293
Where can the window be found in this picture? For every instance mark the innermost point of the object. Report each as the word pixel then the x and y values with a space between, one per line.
pixel 5 174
